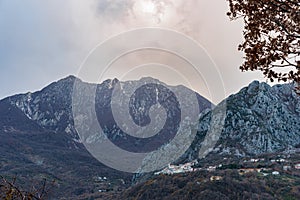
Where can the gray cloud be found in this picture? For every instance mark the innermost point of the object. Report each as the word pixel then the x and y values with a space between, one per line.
pixel 114 9
pixel 42 41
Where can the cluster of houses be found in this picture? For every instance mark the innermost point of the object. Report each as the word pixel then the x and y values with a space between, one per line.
pixel 264 171
pixel 176 169
pixel 183 168
pixel 285 167
pixel 289 167
pixel 255 160
pixel 99 178
pixel 189 167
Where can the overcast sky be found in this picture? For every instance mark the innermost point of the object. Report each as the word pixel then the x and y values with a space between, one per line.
pixel 43 41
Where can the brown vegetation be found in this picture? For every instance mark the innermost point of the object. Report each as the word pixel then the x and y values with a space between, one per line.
pixel 271 37
pixel 10 190
pixel 199 185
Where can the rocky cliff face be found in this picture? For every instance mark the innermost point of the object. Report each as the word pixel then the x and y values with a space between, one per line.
pixel 259 119
pixel 39 139
pixel 38 132
pixel 51 108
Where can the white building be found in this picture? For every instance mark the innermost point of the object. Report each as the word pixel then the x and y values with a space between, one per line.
pixel 275 173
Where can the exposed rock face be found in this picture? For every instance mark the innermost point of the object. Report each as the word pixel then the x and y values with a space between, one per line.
pixel 51 108
pixel 38 132
pixel 259 119
pixel 39 138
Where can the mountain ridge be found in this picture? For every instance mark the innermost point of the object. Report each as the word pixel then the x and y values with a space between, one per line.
pixel 40 139
pixel 259 119
pixel 256 99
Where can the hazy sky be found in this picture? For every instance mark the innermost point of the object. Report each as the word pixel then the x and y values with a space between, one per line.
pixel 43 41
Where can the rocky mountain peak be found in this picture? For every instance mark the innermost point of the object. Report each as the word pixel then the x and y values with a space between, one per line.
pixel 51 107
pixel 259 119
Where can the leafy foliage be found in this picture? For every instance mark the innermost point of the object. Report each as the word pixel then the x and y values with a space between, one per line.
pixel 271 37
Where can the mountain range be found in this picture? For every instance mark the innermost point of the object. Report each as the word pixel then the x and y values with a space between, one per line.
pixel 40 140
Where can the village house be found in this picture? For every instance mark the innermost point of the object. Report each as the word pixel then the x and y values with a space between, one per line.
pixel 211 168
pixel 275 173
pixel 286 167
pixel 248 170
pixel 216 178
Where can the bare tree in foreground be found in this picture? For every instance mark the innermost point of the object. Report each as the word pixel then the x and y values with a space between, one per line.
pixel 10 191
